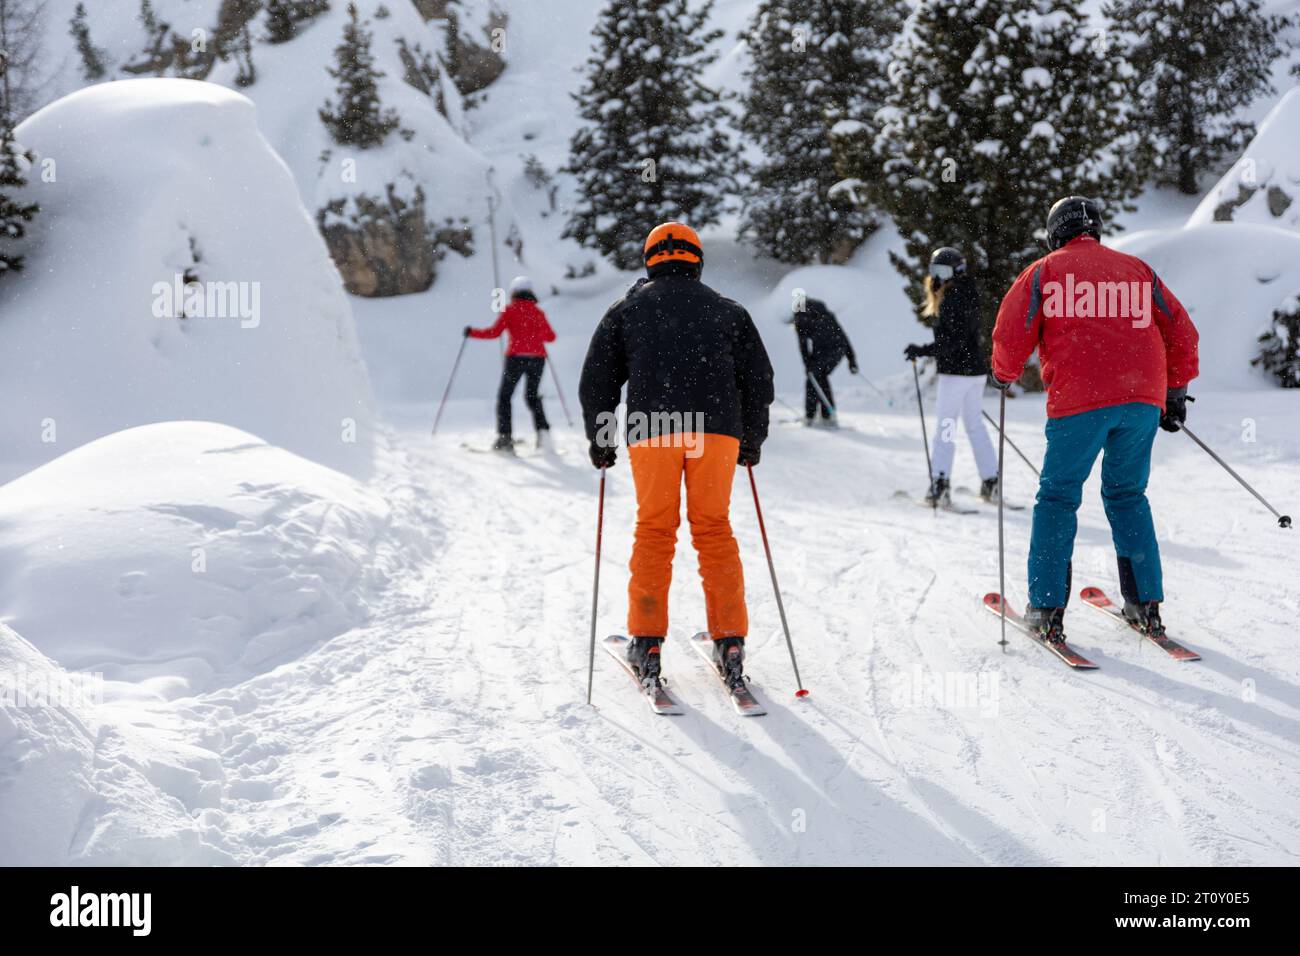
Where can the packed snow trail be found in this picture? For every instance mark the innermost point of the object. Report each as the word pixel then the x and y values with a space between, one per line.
pixel 452 730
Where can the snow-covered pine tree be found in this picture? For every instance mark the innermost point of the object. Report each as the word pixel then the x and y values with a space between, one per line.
pixel 281 24
pixel 1196 63
pixel 814 64
pixel 92 58
pixel 359 120
pixel 996 109
pixel 1279 347
pixel 652 147
pixel 14 215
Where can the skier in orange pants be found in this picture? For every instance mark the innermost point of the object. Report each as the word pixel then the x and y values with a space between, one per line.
pixel 699 384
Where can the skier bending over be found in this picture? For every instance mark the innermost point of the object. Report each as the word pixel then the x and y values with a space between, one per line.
pixel 1117 352
pixel 529 332
pixel 822 345
pixel 699 384
pixel 952 300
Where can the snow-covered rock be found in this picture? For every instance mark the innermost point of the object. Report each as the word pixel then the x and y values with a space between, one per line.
pixel 144 185
pixel 1254 268
pixel 171 554
pixel 1264 185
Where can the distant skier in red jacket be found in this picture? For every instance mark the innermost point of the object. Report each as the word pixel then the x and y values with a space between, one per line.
pixel 1117 351
pixel 529 332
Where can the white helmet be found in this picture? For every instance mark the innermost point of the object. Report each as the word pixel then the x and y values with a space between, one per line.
pixel 520 284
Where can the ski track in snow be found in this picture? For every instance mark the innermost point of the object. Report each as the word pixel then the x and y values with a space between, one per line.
pixel 452 729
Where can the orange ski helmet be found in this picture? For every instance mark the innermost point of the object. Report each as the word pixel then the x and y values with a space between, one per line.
pixel 673 242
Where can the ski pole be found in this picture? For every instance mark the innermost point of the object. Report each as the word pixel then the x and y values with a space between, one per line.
pixel 1283 521
pixel 595 587
pixel 820 394
pixel 450 378
pixel 559 391
pixel 1002 553
pixel 776 589
pixel 1009 441
pixel 888 401
pixel 925 438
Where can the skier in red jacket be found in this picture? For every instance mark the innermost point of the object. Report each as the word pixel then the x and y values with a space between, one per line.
pixel 529 332
pixel 1117 351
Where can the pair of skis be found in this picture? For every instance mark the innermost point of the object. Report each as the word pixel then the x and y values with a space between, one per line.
pixel 661 702
pixel 1095 598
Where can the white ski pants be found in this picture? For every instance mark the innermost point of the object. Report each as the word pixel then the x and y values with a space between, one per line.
pixel 959 399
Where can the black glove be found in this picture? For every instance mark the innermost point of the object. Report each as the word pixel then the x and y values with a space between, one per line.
pixel 1000 385
pixel 468 330
pixel 914 352
pixel 603 456
pixel 853 368
pixel 1176 400
pixel 750 453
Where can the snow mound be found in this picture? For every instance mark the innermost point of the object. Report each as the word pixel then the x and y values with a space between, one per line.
pixel 145 184
pixel 79 788
pixel 1264 185
pixel 194 551
pixel 1255 269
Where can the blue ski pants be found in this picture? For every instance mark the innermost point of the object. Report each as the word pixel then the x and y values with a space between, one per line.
pixel 1125 434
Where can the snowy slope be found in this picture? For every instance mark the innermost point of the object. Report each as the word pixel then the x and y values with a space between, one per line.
pixel 146 182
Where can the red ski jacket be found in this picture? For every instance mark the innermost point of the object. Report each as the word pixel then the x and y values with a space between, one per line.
pixel 1107 330
pixel 528 328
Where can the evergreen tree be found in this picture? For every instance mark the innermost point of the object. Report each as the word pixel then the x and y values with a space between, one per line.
pixel 14 215
pixel 281 24
pixel 359 119
pixel 1196 63
pixel 92 58
pixel 815 64
pixel 247 74
pixel 996 109
pixel 651 148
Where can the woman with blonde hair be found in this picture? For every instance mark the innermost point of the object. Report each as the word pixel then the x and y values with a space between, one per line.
pixel 952 301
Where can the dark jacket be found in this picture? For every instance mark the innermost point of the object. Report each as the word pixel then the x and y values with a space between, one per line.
pixel 956 346
pixel 822 342
pixel 680 347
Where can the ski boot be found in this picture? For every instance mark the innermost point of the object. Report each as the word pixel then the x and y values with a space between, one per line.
pixel 1047 622
pixel 643 655
pixel 1145 617
pixel 729 659
pixel 991 490
pixel 544 442
pixel 939 495
pixel 504 444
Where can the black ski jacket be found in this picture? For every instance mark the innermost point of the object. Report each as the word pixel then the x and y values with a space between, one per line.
pixel 956 346
pixel 822 342
pixel 680 347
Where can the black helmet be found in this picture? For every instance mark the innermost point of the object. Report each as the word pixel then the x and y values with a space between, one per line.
pixel 1070 217
pixel 947 262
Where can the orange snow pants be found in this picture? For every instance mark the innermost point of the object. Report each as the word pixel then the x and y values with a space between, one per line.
pixel 658 473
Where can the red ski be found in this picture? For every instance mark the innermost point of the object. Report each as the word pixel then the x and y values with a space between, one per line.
pixel 1096 597
pixel 993 601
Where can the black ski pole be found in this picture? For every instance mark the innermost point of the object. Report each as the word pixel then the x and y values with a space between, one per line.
pixel 1002 553
pixel 560 392
pixel 925 438
pixel 1283 521
pixel 595 587
pixel 826 402
pixel 1009 441
pixel 888 401
pixel 450 378
pixel 776 589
